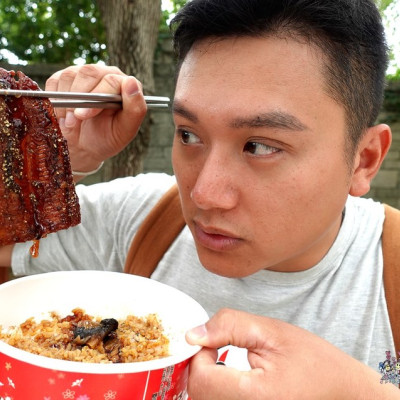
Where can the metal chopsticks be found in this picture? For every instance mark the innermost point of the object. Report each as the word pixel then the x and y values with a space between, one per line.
pixel 84 100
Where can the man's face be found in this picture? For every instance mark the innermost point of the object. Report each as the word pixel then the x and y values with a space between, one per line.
pixel 259 155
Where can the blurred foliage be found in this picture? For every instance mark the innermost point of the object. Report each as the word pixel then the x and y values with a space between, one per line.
pixel 395 76
pixel 166 14
pixel 383 4
pixel 52 31
pixel 390 10
pixel 59 31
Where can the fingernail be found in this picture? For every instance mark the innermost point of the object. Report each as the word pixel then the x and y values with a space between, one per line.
pixel 132 87
pixel 70 120
pixel 197 333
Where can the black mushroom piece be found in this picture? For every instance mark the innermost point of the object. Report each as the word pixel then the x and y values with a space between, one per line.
pixel 93 333
pixel 112 347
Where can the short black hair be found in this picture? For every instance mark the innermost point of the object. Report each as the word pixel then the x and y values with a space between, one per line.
pixel 349 33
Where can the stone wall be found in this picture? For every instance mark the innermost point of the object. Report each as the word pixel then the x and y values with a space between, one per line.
pixel 385 187
pixel 158 157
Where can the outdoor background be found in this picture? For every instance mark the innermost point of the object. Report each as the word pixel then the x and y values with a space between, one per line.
pixel 40 37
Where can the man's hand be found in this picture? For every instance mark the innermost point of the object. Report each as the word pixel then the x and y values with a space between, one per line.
pixel 94 135
pixel 287 363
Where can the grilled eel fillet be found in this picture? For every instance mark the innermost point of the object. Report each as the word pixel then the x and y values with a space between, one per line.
pixel 37 192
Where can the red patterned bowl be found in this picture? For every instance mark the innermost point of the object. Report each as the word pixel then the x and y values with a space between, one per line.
pixel 26 376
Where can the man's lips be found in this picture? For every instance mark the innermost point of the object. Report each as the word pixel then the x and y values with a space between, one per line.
pixel 214 238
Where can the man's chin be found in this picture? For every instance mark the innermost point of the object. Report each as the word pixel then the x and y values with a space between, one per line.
pixel 222 266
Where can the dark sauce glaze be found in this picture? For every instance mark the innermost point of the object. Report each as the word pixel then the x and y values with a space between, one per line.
pixel 37 193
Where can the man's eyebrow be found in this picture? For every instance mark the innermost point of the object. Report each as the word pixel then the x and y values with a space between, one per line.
pixel 178 108
pixel 272 119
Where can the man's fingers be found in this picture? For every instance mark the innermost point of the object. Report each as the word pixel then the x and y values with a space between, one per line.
pixel 208 380
pixel 88 78
pixel 206 377
pixel 80 79
pixel 238 329
pixel 134 110
pixel 110 84
pixel 52 84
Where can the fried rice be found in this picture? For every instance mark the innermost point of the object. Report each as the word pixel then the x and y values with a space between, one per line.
pixel 70 338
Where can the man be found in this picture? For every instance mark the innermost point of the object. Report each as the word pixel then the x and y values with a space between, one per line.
pixel 274 110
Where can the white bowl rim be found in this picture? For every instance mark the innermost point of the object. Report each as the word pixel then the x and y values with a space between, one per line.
pixel 96 368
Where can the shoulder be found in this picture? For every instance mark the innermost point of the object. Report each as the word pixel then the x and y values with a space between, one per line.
pixel 372 210
pixel 364 221
pixel 368 210
pixel 122 203
pixel 150 186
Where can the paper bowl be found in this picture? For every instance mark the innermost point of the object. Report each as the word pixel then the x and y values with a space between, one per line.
pixel 107 295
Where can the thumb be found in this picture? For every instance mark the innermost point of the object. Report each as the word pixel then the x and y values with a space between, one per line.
pixel 134 105
pixel 237 328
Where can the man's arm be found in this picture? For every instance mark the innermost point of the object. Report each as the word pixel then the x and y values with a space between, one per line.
pixel 5 256
pixel 5 262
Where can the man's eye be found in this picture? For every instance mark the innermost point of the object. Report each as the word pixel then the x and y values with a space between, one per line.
pixel 259 149
pixel 187 137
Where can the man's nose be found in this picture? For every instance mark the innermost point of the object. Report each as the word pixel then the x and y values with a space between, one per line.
pixel 216 185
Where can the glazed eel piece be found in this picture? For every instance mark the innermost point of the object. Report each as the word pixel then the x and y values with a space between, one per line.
pixel 37 192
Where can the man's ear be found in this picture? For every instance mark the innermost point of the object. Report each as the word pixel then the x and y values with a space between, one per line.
pixel 370 153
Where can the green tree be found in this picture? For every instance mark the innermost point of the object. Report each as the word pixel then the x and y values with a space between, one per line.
pixel 166 14
pixel 52 31
pixel 390 10
pixel 383 4
pixel 59 31
pixel 132 28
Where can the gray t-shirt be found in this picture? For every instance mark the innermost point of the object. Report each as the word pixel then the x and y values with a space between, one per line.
pixel 340 299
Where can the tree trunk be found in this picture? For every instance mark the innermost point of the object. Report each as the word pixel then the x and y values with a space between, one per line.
pixel 131 30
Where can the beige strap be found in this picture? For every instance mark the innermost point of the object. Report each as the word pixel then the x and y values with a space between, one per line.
pixel 156 234
pixel 391 269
